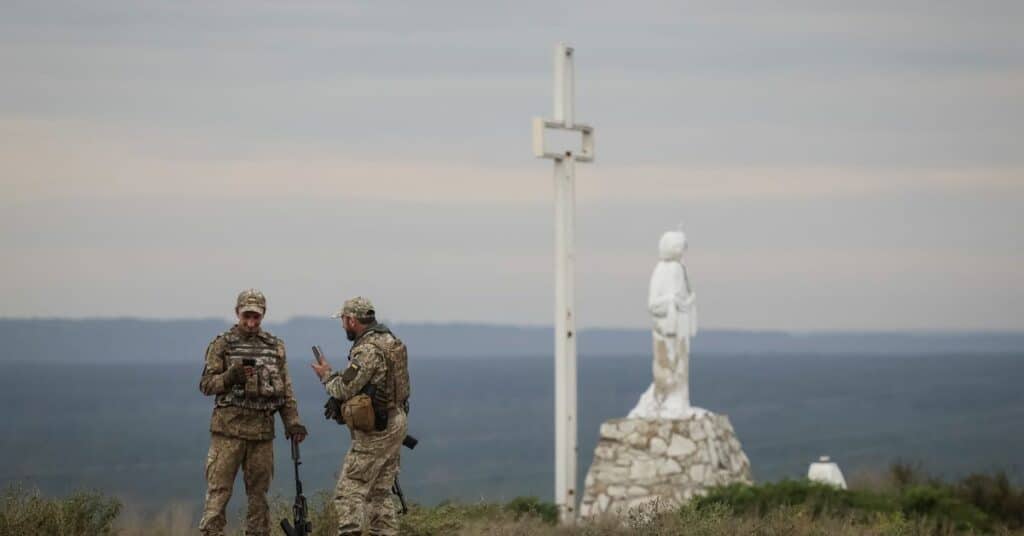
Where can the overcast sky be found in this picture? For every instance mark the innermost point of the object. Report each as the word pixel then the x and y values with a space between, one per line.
pixel 840 167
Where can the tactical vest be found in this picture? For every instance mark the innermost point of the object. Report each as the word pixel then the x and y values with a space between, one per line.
pixel 264 390
pixel 396 393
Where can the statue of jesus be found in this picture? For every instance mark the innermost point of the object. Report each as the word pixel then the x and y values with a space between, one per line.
pixel 672 305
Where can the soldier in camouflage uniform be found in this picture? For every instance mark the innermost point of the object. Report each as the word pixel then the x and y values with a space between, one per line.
pixel 378 359
pixel 242 425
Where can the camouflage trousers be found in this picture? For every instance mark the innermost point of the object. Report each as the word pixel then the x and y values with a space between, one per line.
pixel 363 493
pixel 227 454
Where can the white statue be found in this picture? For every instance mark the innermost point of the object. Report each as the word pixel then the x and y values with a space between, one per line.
pixel 672 304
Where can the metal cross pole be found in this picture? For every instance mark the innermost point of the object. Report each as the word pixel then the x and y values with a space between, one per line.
pixel 565 263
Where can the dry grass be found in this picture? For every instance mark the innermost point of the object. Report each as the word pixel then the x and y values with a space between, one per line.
pixel 24 511
pixel 173 520
pixel 790 521
pixel 904 501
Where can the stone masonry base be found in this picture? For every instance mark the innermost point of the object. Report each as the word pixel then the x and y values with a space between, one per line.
pixel 638 460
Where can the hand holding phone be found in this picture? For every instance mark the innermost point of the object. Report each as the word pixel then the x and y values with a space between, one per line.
pixel 321 367
pixel 249 365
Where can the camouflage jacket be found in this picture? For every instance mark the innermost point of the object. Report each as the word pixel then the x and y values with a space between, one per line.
pixel 243 422
pixel 367 365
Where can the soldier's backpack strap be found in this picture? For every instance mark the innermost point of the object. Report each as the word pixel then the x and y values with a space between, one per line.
pixel 382 412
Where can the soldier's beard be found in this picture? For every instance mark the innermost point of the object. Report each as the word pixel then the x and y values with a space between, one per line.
pixel 350 334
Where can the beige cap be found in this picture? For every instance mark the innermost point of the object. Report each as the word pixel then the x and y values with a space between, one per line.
pixel 252 300
pixel 358 307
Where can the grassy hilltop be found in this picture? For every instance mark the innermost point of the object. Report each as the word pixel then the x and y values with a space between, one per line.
pixel 903 501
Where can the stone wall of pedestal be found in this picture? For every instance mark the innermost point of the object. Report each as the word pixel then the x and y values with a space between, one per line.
pixel 637 461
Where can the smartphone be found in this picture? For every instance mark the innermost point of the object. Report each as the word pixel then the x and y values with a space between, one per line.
pixel 319 355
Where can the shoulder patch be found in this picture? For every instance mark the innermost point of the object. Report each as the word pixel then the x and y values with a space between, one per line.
pixel 350 373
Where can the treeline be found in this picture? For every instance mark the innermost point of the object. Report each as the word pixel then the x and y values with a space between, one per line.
pixel 903 501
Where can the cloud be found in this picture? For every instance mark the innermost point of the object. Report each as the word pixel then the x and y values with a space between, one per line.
pixel 850 166
pixel 66 160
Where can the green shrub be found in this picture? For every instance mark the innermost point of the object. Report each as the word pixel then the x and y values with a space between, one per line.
pixel 994 495
pixel 448 518
pixel 932 501
pixel 24 511
pixel 992 498
pixel 818 499
pixel 939 503
pixel 532 506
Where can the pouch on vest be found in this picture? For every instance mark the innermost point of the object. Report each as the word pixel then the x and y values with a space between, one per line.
pixel 358 413
pixel 271 384
pixel 252 386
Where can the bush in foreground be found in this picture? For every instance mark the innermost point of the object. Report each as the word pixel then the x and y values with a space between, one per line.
pixel 904 502
pixel 978 502
pixel 24 511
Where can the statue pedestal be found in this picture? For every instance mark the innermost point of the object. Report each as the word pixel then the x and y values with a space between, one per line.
pixel 670 460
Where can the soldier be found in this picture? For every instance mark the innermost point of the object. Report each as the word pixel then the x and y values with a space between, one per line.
pixel 246 372
pixel 378 367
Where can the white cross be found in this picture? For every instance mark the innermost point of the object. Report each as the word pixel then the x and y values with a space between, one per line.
pixel 565 262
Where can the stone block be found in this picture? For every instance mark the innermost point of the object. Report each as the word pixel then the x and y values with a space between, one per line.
pixel 668 466
pixel 642 470
pixel 611 473
pixel 604 452
pixel 636 440
pixel 680 447
pixel 637 491
pixel 610 431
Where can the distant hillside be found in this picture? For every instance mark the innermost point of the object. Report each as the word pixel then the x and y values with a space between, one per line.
pixel 123 340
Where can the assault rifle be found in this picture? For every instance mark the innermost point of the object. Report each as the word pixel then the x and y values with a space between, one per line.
pixel 302 525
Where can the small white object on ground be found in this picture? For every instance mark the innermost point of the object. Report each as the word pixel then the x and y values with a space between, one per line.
pixel 826 471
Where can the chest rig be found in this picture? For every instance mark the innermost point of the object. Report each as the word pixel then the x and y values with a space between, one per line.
pixel 264 390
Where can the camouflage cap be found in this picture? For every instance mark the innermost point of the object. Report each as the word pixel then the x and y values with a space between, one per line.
pixel 358 307
pixel 251 299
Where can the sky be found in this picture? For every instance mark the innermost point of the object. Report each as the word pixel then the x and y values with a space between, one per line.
pixel 835 165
